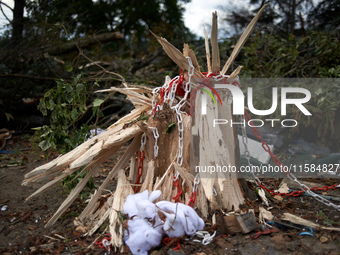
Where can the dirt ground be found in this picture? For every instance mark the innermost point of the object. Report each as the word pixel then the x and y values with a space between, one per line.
pixel 22 223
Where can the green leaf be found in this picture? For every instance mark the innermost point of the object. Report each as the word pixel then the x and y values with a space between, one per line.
pixel 51 104
pixel 97 102
pixel 100 114
pixel 80 87
pixel 47 131
pixel 42 108
pixel 68 88
pixel 170 127
pixel 94 111
pixel 69 68
pixel 69 98
pixel 9 116
pixel 54 115
pixel 44 145
pixel 74 114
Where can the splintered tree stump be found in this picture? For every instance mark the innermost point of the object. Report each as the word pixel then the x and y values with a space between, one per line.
pixel 203 145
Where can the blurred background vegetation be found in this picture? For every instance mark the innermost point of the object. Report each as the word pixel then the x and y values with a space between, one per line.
pixel 61 51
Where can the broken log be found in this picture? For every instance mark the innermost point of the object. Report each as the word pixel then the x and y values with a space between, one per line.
pixel 84 42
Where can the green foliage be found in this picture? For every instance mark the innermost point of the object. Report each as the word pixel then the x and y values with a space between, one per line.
pixel 333 72
pixel 65 104
pixel 271 56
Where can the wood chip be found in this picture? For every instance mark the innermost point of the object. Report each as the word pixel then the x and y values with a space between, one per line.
pixel 232 225
pixel 176 55
pixel 247 222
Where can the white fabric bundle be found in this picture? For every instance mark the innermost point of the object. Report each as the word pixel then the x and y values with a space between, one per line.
pixel 146 229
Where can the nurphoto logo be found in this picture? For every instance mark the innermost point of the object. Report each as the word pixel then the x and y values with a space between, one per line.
pixel 238 99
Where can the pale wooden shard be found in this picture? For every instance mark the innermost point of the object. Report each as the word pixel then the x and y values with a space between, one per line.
pixel 91 156
pixel 92 170
pixel 48 185
pixel 88 156
pixel 187 52
pixel 98 217
pixel 167 187
pixel 100 222
pixel 72 196
pixel 207 50
pixel 234 74
pixel 133 169
pixel 148 182
pixel 122 191
pixel 90 147
pixel 136 98
pixel 242 41
pixel 209 143
pixel 214 46
pixel 299 221
pixel 133 148
pixel 176 55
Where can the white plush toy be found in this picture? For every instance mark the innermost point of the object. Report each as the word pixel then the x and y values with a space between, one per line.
pixel 146 229
pixel 180 219
pixel 142 236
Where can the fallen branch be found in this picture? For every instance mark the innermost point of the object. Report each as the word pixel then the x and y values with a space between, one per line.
pixel 299 221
